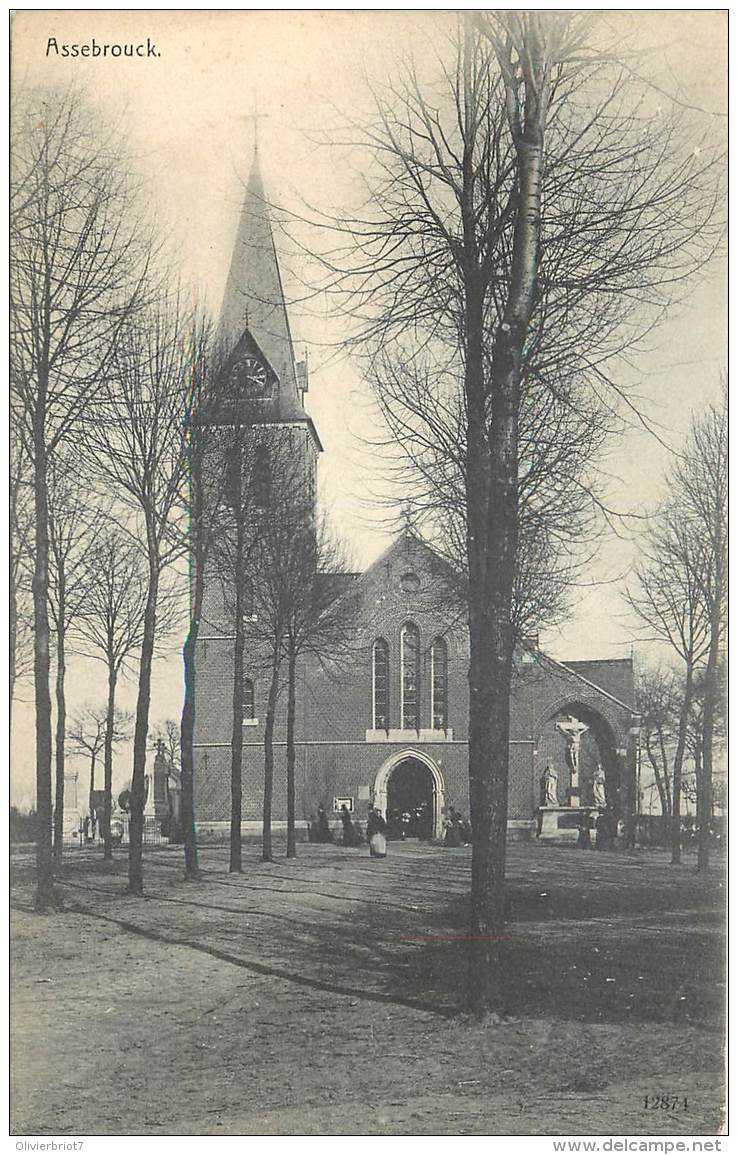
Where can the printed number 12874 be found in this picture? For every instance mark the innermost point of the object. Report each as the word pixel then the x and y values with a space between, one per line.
pixel 665 1103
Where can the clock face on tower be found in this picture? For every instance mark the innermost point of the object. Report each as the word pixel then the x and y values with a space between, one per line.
pixel 248 378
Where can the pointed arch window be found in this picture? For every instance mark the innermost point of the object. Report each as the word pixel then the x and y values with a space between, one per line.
pixel 410 676
pixel 439 684
pixel 380 685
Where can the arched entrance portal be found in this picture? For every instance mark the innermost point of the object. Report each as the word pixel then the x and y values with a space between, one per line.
pixel 410 801
pixel 410 783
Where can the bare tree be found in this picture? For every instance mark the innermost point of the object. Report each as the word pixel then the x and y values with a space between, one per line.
pixel 657 702
pixel 277 537
pixel 87 735
pixel 239 546
pixel 248 453
pixel 525 210
pixel 701 484
pixel 680 596
pixel 202 499
pixel 111 630
pixel 136 424
pixel 320 617
pixel 20 608
pixel 75 269
pixel 666 594
pixel 73 525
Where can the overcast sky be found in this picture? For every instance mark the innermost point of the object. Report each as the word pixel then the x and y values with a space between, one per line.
pixel 183 113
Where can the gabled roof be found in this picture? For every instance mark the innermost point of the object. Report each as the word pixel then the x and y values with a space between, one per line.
pixel 587 682
pixel 407 540
pixel 614 675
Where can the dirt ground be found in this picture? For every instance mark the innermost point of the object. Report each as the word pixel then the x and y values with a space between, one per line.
pixel 322 995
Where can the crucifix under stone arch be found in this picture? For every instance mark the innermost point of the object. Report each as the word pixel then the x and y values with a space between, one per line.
pixel 572 729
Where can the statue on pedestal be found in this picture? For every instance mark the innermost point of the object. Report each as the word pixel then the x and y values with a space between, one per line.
pixel 549 787
pixel 598 788
pixel 572 729
pixel 174 797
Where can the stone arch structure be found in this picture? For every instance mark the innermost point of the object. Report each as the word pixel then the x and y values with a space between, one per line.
pixel 605 742
pixel 381 781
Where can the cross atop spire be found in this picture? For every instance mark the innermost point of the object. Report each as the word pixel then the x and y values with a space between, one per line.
pixel 256 116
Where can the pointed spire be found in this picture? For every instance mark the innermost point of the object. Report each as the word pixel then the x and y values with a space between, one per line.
pixel 254 298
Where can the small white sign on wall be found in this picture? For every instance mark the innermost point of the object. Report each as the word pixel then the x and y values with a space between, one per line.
pixel 364 794
pixel 339 803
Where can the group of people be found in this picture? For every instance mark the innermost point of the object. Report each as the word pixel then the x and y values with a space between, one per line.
pixel 415 823
pixel 402 824
pixel 457 829
pixel 318 829
pixel 606 830
pixel 376 830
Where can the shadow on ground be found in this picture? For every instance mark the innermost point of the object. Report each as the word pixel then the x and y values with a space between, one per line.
pixel 592 937
pixel 322 996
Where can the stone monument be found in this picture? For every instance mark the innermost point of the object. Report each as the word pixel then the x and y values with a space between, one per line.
pixel 157 800
pixel 598 788
pixel 174 796
pixel 549 787
pixel 72 818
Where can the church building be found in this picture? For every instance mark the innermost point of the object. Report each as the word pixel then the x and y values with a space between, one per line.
pixel 389 725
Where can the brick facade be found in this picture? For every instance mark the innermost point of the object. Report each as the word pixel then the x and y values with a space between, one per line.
pixel 341 755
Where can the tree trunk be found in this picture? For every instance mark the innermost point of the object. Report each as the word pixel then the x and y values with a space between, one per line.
pixel 657 778
pixel 492 533
pixel 484 761
pixel 704 780
pixel 630 777
pixel 12 621
pixel 490 674
pixel 676 798
pixel 703 784
pixel 201 535
pixel 90 802
pixel 45 892
pixel 61 727
pixel 665 769
pixel 239 577
pixel 138 783
pixel 108 761
pixel 187 735
pixel 291 677
pixel 266 834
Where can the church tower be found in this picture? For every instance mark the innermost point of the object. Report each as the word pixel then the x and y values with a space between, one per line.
pixel 261 376
pixel 261 390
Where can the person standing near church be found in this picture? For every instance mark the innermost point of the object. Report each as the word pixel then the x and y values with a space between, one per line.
pixel 324 830
pixel 452 826
pixel 376 832
pixel 351 836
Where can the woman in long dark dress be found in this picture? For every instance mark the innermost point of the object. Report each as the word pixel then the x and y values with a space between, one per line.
pixel 351 836
pixel 453 831
pixel 324 831
pixel 376 832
